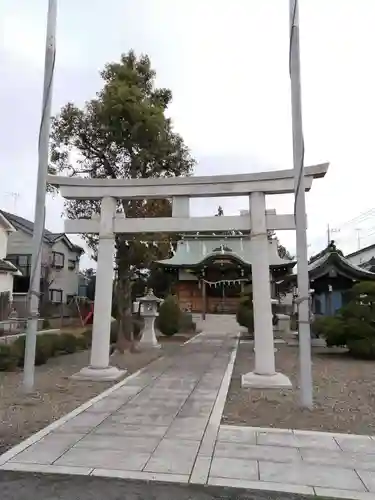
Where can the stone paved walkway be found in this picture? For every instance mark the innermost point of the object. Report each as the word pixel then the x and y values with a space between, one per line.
pixel 164 424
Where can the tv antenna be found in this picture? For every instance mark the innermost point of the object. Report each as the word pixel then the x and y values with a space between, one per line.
pixel 15 197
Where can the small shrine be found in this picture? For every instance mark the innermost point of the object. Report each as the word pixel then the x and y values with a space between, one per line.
pixel 211 271
pixel 331 277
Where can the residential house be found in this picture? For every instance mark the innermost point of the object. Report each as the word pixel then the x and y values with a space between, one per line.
pixel 60 260
pixel 365 257
pixel 7 269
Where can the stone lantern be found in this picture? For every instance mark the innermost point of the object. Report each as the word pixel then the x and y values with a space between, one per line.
pixel 149 313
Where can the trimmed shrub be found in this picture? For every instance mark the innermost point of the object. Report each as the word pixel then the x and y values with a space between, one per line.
pixel 240 315
pixel 42 350
pixel 18 347
pixel 186 323
pixel 362 348
pixel 8 358
pixel 46 324
pixel 245 318
pixel 87 334
pixel 67 343
pixel 331 328
pixel 82 342
pixel 354 326
pixel 51 341
pixel 168 320
pixel 318 325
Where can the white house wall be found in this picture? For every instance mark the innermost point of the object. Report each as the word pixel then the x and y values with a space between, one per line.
pixel 6 282
pixel 20 243
pixel 65 279
pixel 6 279
pixel 362 257
pixel 3 242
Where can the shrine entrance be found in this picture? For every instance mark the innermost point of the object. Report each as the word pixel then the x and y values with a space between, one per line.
pixel 256 223
pixel 211 272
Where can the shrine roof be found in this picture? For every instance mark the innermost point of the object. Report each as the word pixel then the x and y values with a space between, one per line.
pixel 195 251
pixel 332 258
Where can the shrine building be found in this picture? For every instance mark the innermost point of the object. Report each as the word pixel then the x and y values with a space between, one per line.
pixel 211 271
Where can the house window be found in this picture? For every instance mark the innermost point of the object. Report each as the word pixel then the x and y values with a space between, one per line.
pixel 70 298
pixel 71 264
pixel 23 262
pixel 55 296
pixel 58 260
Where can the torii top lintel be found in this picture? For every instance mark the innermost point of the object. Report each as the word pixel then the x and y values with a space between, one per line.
pixel 269 182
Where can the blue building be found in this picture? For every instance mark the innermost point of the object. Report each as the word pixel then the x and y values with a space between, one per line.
pixel 331 277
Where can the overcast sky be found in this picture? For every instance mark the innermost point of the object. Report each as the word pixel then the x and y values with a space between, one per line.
pixel 226 62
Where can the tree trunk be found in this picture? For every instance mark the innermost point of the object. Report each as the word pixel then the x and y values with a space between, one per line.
pixel 125 336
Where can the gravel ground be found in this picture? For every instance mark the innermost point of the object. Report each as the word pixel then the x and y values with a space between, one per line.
pixel 56 394
pixel 344 394
pixel 21 486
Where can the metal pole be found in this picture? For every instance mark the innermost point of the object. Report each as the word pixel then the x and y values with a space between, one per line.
pixel 306 391
pixel 39 216
pixel 358 238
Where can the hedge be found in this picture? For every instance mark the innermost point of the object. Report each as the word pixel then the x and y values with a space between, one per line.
pixel 354 324
pixel 47 345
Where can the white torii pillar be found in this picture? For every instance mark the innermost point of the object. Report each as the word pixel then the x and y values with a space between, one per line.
pixel 264 374
pixel 99 368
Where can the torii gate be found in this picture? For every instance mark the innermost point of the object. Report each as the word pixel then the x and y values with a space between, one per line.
pixel 256 186
pixel 299 206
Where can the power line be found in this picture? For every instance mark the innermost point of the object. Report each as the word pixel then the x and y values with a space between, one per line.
pixel 345 227
pixel 362 217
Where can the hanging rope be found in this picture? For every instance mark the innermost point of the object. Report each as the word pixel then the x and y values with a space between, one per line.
pixel 228 282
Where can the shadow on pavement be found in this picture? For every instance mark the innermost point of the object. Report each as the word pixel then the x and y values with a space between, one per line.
pixel 23 486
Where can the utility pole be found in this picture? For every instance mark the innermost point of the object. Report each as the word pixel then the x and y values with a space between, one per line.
pixel 15 197
pixel 306 391
pixel 39 217
pixel 358 231
pixel 329 233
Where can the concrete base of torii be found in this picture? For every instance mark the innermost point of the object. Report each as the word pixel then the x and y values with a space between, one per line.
pixel 275 381
pixel 99 374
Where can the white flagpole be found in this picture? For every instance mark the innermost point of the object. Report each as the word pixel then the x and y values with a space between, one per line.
pixel 39 217
pixel 306 391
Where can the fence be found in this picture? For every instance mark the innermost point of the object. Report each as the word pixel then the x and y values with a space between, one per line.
pixel 14 313
pixel 4 305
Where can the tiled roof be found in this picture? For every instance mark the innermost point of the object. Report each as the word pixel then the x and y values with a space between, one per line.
pixel 364 249
pixel 192 252
pixel 321 266
pixel 7 266
pixel 28 227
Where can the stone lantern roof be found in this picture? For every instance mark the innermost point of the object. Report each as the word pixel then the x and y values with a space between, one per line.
pixel 150 297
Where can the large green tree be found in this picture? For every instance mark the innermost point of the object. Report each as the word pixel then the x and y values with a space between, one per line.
pixel 122 133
